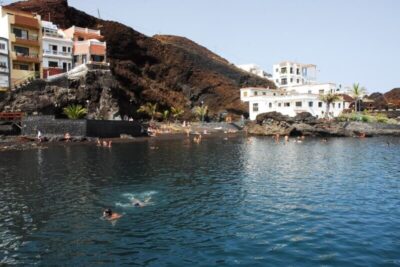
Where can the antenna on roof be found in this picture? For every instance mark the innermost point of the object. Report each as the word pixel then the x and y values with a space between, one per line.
pixel 99 17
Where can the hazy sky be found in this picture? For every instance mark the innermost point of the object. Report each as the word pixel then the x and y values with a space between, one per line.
pixel 349 40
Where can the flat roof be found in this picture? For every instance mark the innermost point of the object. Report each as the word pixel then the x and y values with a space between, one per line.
pixel 307 65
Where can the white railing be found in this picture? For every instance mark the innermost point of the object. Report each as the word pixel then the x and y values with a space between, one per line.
pixel 55 35
pixel 89 42
pixel 86 30
pixel 59 53
pixel 2 69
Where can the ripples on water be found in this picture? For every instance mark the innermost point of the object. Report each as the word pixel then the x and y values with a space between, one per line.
pixel 218 203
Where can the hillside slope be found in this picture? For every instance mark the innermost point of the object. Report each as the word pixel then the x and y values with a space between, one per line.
pixel 169 70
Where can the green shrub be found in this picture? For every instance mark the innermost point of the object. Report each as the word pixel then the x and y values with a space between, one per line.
pixel 382 118
pixel 392 121
pixel 75 112
pixel 366 118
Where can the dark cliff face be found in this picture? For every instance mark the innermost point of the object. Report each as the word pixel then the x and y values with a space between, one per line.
pixel 393 97
pixel 169 70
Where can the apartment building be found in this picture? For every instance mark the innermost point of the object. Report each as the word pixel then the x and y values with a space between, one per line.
pixel 57 50
pixel 4 65
pixel 23 32
pixel 88 45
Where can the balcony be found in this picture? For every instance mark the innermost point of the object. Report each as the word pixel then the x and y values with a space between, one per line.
pixel 28 40
pixel 22 57
pixel 4 69
pixel 28 22
pixel 56 53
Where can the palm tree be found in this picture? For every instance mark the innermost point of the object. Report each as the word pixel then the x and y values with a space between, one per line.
pixel 357 91
pixel 329 99
pixel 75 112
pixel 165 115
pixel 176 112
pixel 149 109
pixel 200 112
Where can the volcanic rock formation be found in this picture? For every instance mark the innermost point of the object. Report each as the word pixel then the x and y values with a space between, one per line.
pixel 168 70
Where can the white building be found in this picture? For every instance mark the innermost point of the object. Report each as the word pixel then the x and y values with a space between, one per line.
pixel 4 65
pixel 256 70
pixel 57 50
pixel 297 92
pixel 289 73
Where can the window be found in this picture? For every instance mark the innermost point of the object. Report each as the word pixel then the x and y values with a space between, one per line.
pixel 53 47
pixel 64 65
pixel 283 70
pixel 69 66
pixel 298 80
pixel 291 80
pixel 320 104
pixel 21 67
pixel 310 104
pixel 299 104
pixel 2 46
pixel 274 94
pixel 3 64
pixel 255 93
pixel 53 64
pixel 284 81
pixel 333 105
pixel 338 105
pixel 270 105
pixel 64 49
pixel 321 92
pixel 255 107
pixel 22 34
pixel 69 49
pixel 291 70
pixel 245 94
pixel 21 50
pixel 298 71
pixel 81 39
pixel 264 93
pixel 286 104
pixel 276 70
pixel 279 104
pixel 309 91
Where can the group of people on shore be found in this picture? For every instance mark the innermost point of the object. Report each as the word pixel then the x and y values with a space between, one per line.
pixel 103 143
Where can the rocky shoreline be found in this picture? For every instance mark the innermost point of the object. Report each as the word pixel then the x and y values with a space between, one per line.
pixel 164 131
pixel 273 123
pixel 268 124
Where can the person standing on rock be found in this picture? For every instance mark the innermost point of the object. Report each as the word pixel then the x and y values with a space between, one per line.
pixel 39 136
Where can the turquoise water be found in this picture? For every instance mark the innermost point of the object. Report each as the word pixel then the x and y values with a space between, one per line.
pixel 221 203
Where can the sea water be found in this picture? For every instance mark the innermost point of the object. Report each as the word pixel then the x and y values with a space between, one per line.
pixel 222 202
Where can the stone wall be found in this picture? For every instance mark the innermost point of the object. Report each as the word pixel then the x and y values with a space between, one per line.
pixel 49 126
pixel 108 129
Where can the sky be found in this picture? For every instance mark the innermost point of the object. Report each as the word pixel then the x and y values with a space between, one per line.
pixel 349 40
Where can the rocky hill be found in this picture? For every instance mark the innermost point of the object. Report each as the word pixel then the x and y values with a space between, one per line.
pixel 393 97
pixel 168 70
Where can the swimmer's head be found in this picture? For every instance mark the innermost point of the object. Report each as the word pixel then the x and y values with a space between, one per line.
pixel 107 213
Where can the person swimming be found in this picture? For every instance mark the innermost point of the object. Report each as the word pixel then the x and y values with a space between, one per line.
pixel 110 215
pixel 140 204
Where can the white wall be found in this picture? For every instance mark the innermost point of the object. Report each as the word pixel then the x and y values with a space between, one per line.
pixel 4 25
pixel 59 56
pixel 318 108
